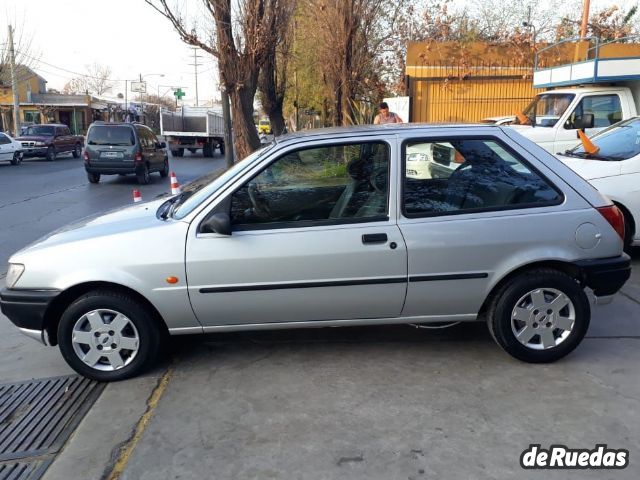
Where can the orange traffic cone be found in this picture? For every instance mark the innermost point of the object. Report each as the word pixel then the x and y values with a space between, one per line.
pixel 175 186
pixel 137 197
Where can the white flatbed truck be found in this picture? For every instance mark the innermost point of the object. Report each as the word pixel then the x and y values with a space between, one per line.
pixel 193 129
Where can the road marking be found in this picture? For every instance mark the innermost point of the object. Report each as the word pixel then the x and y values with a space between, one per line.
pixel 127 449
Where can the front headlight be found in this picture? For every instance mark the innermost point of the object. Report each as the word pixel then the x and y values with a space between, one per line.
pixel 14 273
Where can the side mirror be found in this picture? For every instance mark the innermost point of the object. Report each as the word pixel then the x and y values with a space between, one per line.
pixel 587 120
pixel 217 223
pixel 161 145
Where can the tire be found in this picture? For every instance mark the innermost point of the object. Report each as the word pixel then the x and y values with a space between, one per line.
pixel 17 158
pixel 77 151
pixel 629 227
pixel 207 150
pixel 181 152
pixel 192 150
pixel 532 294
pixel 93 177
pixel 174 153
pixel 80 335
pixel 144 176
pixel 164 173
pixel 51 154
pixel 221 147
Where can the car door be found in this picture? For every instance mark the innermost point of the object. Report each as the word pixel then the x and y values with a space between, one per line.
pixel 6 152
pixel 606 110
pixel 158 156
pixel 474 219
pixel 314 238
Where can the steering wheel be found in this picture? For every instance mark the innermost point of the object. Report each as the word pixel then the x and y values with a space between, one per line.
pixel 259 202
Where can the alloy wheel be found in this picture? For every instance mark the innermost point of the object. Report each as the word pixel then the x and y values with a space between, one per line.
pixel 543 318
pixel 105 339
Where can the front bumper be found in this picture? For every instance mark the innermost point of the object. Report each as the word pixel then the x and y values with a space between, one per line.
pixel 605 276
pixel 34 151
pixel 26 308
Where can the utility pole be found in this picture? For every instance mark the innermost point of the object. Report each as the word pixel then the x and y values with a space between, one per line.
pixel 195 65
pixel 142 100
pixel 226 117
pixel 14 85
pixel 585 19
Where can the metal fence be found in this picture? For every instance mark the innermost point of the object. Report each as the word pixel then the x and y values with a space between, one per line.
pixel 468 93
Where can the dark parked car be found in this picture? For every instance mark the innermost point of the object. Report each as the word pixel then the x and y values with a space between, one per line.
pixel 123 148
pixel 50 140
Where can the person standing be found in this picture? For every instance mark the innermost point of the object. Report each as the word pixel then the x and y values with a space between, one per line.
pixel 385 116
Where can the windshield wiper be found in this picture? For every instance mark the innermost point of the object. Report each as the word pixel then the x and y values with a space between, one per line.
pixel 588 156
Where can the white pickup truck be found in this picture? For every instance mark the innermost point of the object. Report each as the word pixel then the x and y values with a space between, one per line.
pixel 600 90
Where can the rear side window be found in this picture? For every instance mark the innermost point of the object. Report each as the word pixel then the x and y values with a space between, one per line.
pixel 111 135
pixel 469 175
pixel 4 139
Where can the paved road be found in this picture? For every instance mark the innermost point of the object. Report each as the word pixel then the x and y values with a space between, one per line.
pixel 37 197
pixel 356 403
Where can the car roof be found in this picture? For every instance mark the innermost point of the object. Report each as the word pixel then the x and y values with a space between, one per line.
pixel 389 128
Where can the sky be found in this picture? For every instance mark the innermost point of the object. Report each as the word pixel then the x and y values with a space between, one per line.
pixel 126 35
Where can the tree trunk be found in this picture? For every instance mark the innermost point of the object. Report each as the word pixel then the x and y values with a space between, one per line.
pixel 245 134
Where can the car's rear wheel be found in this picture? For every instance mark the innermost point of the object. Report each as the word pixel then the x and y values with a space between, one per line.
pixel 93 177
pixel 143 175
pixel 106 335
pixel 77 151
pixel 17 158
pixel 165 169
pixel 539 316
pixel 51 154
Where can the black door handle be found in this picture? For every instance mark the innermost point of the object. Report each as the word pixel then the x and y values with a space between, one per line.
pixel 374 238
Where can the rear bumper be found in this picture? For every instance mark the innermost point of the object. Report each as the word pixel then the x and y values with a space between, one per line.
pixel 605 276
pixel 113 168
pixel 26 308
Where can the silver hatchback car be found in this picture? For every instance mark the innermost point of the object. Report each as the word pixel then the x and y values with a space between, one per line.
pixel 326 228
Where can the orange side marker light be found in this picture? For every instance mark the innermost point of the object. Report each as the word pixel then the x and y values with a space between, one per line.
pixel 172 280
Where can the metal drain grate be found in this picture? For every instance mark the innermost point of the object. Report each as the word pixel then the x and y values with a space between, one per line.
pixel 26 470
pixel 36 418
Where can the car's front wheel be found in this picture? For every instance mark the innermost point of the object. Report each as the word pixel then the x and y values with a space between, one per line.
pixel 539 316
pixel 17 158
pixel 106 335
pixel 77 151
pixel 51 154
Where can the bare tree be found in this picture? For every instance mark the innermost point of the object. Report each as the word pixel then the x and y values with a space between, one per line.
pixel 273 81
pixel 96 81
pixel 241 39
pixel 25 54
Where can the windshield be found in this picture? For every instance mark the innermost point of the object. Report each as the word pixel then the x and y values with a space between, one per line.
pixel 41 130
pixel 197 191
pixel 111 135
pixel 618 142
pixel 546 109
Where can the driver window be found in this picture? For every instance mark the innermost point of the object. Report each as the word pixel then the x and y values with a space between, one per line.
pixel 606 110
pixel 323 184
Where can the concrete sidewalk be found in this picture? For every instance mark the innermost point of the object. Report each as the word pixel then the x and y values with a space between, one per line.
pixel 374 403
